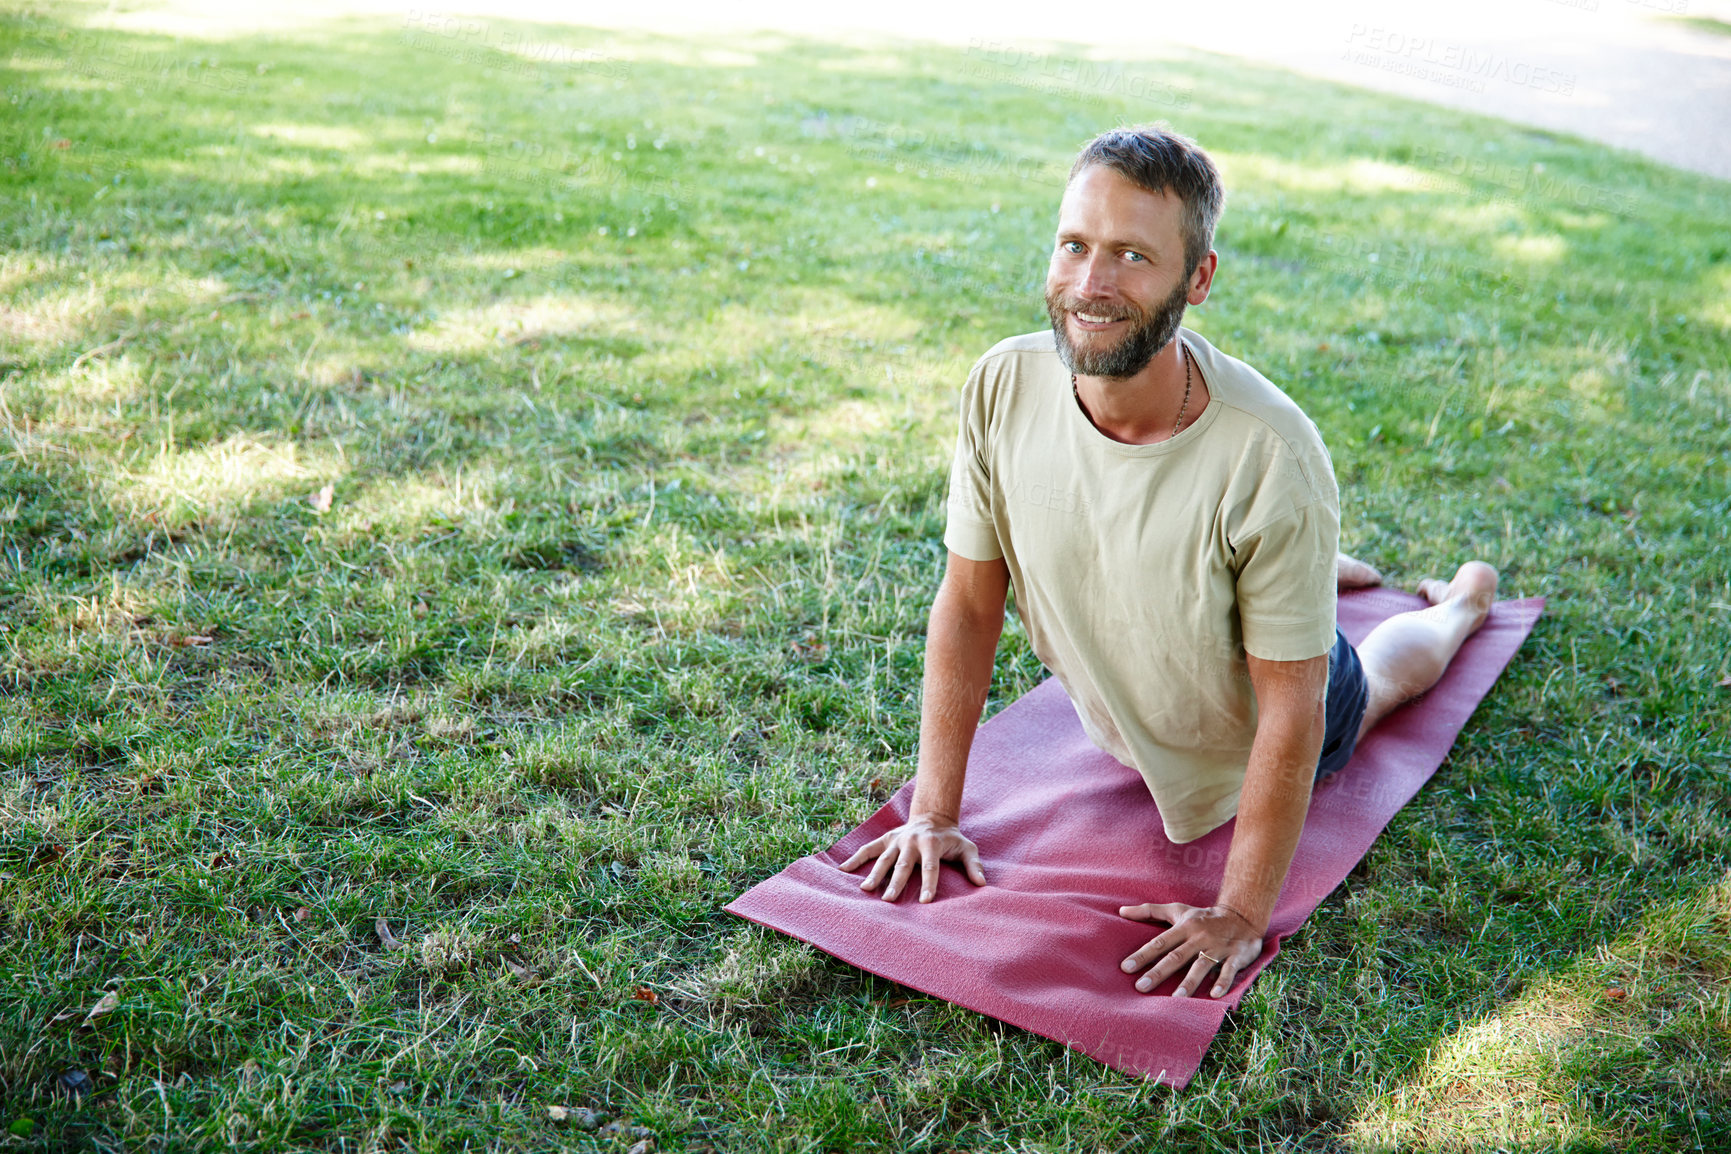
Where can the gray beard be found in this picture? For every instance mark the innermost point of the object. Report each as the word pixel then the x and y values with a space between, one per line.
pixel 1133 351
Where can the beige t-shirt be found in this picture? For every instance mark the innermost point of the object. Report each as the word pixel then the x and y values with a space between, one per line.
pixel 1144 573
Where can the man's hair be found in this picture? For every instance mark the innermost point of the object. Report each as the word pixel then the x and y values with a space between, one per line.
pixel 1159 159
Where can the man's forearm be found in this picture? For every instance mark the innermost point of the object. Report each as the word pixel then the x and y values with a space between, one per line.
pixel 1270 817
pixel 960 647
pixel 1272 807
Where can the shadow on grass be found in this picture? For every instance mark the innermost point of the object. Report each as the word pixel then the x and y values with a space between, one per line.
pixel 631 368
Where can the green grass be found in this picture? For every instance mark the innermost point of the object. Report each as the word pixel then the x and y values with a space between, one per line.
pixel 632 368
pixel 1704 24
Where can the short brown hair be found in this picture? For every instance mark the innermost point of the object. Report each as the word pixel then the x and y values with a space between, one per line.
pixel 1158 160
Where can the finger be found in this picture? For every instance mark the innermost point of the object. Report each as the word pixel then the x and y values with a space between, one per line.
pixel 885 860
pixel 1152 952
pixel 1173 962
pixel 1168 912
pixel 971 860
pixel 1228 974
pixel 1200 968
pixel 928 872
pixel 863 854
pixel 1240 958
pixel 1179 953
pixel 1143 913
pixel 899 878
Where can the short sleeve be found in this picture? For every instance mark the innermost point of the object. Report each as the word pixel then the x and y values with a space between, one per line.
pixel 970 530
pixel 1286 584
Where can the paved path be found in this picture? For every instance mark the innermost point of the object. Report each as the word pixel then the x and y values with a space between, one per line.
pixel 1625 72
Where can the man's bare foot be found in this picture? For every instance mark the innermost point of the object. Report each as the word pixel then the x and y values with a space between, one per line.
pixel 1472 591
pixel 1406 654
pixel 1351 573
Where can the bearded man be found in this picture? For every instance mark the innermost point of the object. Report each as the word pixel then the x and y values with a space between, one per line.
pixel 1170 523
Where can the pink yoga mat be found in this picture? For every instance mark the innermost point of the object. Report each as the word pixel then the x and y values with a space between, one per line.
pixel 1068 834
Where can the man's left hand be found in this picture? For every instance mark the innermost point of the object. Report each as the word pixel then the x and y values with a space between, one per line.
pixel 1196 931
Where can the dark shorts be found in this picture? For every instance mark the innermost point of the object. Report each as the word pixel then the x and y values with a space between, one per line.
pixel 1348 694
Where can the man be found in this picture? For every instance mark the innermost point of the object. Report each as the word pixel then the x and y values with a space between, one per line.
pixel 1170 523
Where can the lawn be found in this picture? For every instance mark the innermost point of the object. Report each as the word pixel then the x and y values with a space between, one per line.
pixel 470 494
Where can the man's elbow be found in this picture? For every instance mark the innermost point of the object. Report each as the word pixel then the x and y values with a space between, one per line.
pixel 957 614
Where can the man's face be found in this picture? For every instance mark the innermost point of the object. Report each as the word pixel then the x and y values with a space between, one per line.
pixel 1116 287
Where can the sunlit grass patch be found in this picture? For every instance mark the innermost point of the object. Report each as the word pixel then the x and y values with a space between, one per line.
pixel 1651 1008
pixel 547 318
pixel 212 482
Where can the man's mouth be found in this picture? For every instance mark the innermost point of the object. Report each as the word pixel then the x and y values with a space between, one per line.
pixel 1095 319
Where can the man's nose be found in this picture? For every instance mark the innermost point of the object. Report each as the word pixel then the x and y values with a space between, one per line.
pixel 1099 278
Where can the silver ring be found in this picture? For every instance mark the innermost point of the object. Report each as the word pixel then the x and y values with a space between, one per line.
pixel 1209 956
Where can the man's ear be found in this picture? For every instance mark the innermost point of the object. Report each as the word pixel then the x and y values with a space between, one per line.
pixel 1202 279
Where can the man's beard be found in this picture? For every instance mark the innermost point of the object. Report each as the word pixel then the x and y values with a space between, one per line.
pixel 1147 336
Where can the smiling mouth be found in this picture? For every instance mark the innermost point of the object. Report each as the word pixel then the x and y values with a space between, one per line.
pixel 1092 319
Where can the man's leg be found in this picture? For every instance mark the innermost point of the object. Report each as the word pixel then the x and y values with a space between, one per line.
pixel 1407 654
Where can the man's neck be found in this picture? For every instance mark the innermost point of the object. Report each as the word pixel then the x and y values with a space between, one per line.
pixel 1142 410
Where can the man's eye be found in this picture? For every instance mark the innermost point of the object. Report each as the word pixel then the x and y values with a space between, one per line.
pixel 1135 256
pixel 1072 246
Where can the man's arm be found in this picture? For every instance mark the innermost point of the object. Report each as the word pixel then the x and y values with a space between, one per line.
pixel 961 641
pixel 1271 811
pixel 1289 730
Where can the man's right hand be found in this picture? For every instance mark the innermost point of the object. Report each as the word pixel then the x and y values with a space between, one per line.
pixel 923 842
pixel 961 638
